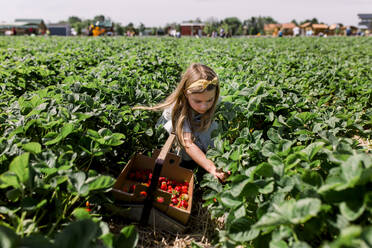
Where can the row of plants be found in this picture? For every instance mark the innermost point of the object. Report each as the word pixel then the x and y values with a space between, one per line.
pixel 290 108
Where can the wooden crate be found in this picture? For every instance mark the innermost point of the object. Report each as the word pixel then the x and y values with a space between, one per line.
pixel 162 212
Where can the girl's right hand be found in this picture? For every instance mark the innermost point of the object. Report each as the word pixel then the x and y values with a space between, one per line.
pixel 221 175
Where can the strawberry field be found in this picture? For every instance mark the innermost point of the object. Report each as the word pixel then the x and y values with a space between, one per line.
pixel 292 115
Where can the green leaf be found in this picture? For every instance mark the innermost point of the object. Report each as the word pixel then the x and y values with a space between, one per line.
pixel 312 149
pixel 238 185
pixel 115 139
pixel 8 179
pixel 368 201
pixel 8 238
pixel 268 149
pixel 278 244
pixel 277 164
pixel 36 241
pixel 273 135
pixel 19 166
pixel 312 178
pixel 352 210
pixel 305 209
pixel 266 187
pixel 367 235
pixel 78 182
pixel 128 237
pixel 240 230
pixel 235 155
pixel 14 194
pixel 271 219
pixel 79 234
pixel 65 131
pixel 301 244
pixel 353 170
pixel 229 201
pixel 31 204
pixel 290 212
pixel 32 147
pixel 81 213
pixel 108 239
pixel 264 169
pixel 347 236
pixel 275 161
pixel 149 132
pixel 101 182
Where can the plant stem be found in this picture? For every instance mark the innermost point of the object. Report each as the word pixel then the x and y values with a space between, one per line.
pixel 295 235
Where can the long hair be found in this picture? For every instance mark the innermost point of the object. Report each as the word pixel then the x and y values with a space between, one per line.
pixel 182 110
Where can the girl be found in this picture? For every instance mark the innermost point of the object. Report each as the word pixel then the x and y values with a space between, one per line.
pixel 188 112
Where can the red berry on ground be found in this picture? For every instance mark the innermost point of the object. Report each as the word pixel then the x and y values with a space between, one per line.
pixel 160 199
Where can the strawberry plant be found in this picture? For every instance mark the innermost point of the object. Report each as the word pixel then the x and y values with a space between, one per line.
pixel 289 111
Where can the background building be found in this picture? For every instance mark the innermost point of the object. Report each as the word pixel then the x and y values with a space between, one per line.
pixel 59 29
pixel 366 20
pixel 24 27
pixel 191 29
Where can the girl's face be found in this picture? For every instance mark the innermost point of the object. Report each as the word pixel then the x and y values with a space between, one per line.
pixel 201 102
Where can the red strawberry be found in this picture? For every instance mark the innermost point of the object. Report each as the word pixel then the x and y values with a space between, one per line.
pixel 138 175
pixel 143 193
pixel 161 179
pixel 177 188
pixel 163 186
pixel 174 201
pixel 160 199
pixel 184 204
pixel 184 189
pixel 132 188
pixel 132 175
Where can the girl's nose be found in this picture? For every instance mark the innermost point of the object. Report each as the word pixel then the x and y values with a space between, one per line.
pixel 204 106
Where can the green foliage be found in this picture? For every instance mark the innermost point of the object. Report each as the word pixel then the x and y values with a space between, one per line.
pixel 289 110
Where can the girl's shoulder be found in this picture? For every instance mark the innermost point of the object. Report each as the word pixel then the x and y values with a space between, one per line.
pixel 167 113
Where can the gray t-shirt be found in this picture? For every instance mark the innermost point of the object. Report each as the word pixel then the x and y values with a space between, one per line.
pixel 202 139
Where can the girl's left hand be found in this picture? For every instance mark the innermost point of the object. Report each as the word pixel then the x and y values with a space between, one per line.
pixel 221 175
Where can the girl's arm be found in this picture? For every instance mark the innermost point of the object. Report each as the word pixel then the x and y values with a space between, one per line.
pixel 199 157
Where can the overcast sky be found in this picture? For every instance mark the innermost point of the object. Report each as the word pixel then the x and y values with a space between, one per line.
pixel 161 12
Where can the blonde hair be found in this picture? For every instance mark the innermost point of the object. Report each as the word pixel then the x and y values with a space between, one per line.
pixel 182 110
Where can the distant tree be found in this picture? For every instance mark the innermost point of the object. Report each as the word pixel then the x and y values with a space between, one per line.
pixel 208 29
pixel 233 24
pixel 100 18
pixel 73 19
pixel 312 21
pixel 141 27
pixel 119 29
pixel 295 22
pixel 240 30
pixel 269 19
pixel 255 25
pixel 129 27
pixel 252 26
pixel 211 24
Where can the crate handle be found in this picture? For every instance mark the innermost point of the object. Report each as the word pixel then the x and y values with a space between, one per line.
pixel 155 178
